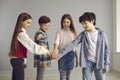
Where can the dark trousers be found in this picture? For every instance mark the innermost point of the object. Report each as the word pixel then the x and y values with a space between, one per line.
pixel 18 68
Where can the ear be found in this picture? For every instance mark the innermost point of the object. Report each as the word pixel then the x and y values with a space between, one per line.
pixel 92 21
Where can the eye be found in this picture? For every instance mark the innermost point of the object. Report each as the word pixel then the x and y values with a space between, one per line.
pixel 28 22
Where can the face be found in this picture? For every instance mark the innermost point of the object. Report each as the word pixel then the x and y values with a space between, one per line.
pixel 87 25
pixel 66 23
pixel 26 24
pixel 45 26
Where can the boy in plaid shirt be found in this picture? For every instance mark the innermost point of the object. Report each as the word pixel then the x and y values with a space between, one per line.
pixel 41 61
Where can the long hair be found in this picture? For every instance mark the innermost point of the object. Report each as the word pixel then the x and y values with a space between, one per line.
pixel 22 17
pixel 72 28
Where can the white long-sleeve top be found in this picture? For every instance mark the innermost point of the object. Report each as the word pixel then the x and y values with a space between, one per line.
pixel 27 42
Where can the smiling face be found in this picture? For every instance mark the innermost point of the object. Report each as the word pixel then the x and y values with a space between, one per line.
pixel 66 23
pixel 45 26
pixel 26 24
pixel 87 25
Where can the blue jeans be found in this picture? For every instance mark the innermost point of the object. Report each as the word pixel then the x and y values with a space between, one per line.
pixel 91 67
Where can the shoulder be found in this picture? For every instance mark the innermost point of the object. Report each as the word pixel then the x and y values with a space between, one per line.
pixel 40 32
pixel 59 31
pixel 100 31
pixel 21 31
pixel 83 32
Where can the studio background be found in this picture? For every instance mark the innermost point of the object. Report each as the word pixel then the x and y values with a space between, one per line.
pixel 10 9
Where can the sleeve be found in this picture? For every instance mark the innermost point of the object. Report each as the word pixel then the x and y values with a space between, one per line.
pixel 31 45
pixel 71 46
pixel 107 53
pixel 57 38
pixel 38 38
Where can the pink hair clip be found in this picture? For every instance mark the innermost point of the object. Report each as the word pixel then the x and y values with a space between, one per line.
pixel 24 14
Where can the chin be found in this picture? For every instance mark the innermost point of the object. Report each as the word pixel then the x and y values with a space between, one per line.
pixel 88 29
pixel 46 30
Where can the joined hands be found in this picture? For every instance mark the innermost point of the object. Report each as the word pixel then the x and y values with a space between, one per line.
pixel 54 55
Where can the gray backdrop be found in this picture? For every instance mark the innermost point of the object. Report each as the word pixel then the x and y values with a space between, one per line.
pixel 10 9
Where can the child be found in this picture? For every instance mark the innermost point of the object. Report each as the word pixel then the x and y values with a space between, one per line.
pixel 41 61
pixel 65 36
pixel 20 44
pixel 94 53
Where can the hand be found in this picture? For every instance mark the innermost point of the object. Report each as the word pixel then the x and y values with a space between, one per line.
pixel 25 66
pixel 49 53
pixel 105 70
pixel 39 37
pixel 77 63
pixel 76 56
pixel 25 63
pixel 55 56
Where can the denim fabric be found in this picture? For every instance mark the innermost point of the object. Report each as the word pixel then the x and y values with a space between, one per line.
pixel 103 51
pixel 66 62
pixel 91 67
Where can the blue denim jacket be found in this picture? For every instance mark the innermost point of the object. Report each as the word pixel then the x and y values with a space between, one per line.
pixel 103 52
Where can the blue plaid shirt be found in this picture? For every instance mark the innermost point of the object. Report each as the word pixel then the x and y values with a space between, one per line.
pixel 42 60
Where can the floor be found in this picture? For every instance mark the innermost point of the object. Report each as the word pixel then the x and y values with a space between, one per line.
pixel 54 75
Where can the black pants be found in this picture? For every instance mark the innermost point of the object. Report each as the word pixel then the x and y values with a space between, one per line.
pixel 18 69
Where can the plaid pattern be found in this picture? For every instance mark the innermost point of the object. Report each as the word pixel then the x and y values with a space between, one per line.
pixel 42 60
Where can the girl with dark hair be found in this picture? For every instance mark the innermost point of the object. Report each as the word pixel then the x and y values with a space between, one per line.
pixel 20 44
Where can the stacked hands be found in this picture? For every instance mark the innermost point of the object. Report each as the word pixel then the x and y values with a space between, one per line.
pixel 54 55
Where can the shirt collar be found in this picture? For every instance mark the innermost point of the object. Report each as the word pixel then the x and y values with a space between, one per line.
pixel 66 29
pixel 42 30
pixel 23 29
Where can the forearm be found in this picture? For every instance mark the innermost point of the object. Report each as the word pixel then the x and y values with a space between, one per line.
pixel 55 50
pixel 67 49
pixel 70 46
pixel 31 45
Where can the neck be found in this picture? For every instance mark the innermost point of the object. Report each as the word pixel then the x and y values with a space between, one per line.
pixel 92 29
pixel 66 28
